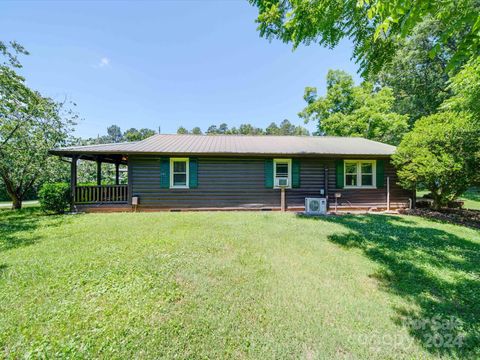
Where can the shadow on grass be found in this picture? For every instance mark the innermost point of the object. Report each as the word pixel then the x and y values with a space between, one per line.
pixel 17 227
pixel 435 271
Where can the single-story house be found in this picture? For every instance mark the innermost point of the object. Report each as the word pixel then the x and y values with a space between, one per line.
pixel 193 172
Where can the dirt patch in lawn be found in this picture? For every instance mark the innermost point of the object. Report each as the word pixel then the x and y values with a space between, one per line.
pixel 470 218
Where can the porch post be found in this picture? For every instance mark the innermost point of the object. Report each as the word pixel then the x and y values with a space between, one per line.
pixel 99 172
pixel 117 173
pixel 73 180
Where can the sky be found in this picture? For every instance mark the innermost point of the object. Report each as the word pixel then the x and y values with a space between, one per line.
pixel 165 64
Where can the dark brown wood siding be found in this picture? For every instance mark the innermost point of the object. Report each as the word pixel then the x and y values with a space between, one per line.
pixel 239 182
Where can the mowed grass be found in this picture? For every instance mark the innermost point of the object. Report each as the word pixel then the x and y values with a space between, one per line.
pixel 235 285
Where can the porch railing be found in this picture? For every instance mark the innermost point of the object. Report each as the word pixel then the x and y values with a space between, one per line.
pixel 101 194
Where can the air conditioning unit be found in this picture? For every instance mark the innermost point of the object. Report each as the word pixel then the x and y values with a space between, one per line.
pixel 281 182
pixel 315 206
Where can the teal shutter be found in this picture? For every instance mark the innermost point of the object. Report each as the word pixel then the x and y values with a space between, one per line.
pixel 193 173
pixel 165 173
pixel 380 173
pixel 295 173
pixel 268 173
pixel 340 171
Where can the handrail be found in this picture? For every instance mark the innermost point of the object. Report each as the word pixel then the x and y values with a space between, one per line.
pixel 94 194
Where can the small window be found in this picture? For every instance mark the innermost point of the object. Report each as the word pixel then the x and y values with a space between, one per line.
pixel 360 173
pixel 179 173
pixel 282 168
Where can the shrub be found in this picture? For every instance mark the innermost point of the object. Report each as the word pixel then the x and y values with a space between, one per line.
pixel 54 197
pixel 441 154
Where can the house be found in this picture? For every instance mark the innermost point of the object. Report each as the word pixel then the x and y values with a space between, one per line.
pixel 175 172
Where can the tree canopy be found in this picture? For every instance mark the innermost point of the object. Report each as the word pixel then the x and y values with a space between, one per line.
pixel 419 80
pixel 349 110
pixel 374 26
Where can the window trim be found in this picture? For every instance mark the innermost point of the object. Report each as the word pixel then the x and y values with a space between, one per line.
pixel 172 172
pixel 359 174
pixel 282 161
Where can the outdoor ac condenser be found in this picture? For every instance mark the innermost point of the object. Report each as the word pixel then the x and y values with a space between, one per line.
pixel 315 206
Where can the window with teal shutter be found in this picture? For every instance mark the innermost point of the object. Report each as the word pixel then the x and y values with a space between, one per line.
pixel 193 173
pixel 380 173
pixel 339 174
pixel 295 173
pixel 268 173
pixel 165 173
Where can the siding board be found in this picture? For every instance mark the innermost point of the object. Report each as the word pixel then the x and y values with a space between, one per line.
pixel 239 182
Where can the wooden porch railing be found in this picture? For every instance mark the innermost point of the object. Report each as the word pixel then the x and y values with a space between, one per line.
pixel 101 194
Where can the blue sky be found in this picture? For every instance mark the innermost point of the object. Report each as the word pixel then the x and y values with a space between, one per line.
pixel 151 64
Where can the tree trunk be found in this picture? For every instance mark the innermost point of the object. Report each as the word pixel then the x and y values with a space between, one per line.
pixel 17 202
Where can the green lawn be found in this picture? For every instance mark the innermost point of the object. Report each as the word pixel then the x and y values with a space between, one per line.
pixel 236 285
pixel 471 198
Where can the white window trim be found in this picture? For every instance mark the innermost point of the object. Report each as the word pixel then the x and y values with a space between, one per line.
pixel 282 161
pixel 359 174
pixel 172 186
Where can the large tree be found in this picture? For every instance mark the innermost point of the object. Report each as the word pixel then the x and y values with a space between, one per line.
pixel 24 159
pixel 374 26
pixel 419 78
pixel 30 125
pixel 349 110
pixel 441 154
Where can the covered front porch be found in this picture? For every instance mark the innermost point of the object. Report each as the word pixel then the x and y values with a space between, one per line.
pixel 104 190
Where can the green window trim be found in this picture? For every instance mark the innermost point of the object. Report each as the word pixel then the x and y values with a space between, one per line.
pixel 164 173
pixel 340 174
pixel 380 176
pixel 193 173
pixel 295 173
pixel 268 173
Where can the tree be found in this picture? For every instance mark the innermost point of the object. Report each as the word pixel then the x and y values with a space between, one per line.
pixel 9 52
pixel 30 125
pixel 223 128
pixel 114 134
pixel 133 134
pixel 442 154
pixel 24 159
pixel 418 78
pixel 348 110
pixel 212 129
pixel 466 89
pixel 196 131
pixel 372 25
pixel 182 130
pixel 272 129
pixel 248 129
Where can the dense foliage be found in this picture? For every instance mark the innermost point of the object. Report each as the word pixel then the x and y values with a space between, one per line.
pixel 466 89
pixel 54 197
pixel 441 154
pixel 419 80
pixel 374 26
pixel 349 110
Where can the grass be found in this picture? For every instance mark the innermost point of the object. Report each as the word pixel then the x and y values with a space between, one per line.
pixel 471 198
pixel 235 285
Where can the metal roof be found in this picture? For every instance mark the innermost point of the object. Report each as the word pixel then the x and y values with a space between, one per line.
pixel 236 144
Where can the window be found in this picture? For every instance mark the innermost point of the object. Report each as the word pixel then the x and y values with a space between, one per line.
pixel 360 173
pixel 282 168
pixel 179 173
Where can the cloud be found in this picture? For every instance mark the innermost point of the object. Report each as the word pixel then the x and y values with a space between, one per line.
pixel 104 61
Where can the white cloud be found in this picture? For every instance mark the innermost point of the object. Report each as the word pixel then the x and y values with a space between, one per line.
pixel 104 61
